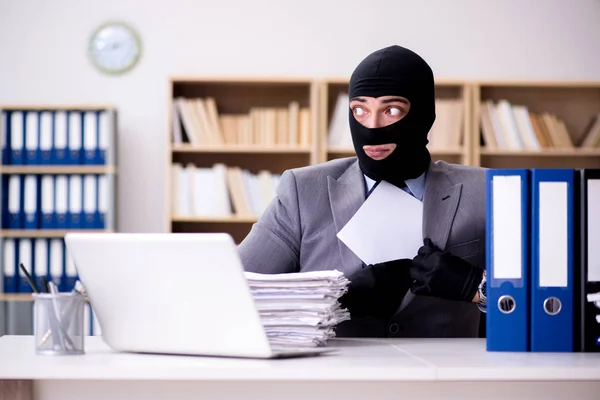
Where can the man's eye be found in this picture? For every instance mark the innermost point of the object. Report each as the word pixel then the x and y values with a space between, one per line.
pixel 359 111
pixel 395 111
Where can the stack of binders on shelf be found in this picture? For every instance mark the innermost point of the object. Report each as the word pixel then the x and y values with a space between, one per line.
pixel 55 201
pixel 58 137
pixel 57 175
pixel 43 257
pixel 543 260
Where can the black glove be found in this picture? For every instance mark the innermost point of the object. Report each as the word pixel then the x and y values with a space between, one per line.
pixel 377 290
pixel 444 275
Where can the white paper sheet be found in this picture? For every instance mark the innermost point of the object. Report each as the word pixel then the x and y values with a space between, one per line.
pixel 388 226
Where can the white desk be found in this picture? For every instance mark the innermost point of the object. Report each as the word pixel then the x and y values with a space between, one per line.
pixel 362 369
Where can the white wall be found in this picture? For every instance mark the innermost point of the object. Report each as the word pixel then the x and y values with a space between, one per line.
pixel 43 55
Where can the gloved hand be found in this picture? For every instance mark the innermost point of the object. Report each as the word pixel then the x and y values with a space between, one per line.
pixel 440 274
pixel 378 289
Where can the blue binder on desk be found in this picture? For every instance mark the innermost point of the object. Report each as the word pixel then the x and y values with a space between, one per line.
pixel 507 259
pixel 552 260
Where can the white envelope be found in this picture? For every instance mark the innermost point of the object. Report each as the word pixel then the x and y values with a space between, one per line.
pixel 388 226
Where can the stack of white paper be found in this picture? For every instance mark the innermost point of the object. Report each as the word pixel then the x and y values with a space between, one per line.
pixel 299 309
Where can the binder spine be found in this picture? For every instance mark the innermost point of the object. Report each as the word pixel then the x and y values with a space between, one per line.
pixel 4 135
pixel 552 260
pixel 75 138
pixel 507 259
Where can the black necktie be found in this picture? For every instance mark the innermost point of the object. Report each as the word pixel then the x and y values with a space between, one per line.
pixel 372 188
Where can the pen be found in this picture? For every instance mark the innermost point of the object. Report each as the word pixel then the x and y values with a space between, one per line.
pixel 55 317
pixel 29 278
pixel 45 286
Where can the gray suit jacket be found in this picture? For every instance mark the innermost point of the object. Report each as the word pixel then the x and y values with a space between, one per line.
pixel 297 232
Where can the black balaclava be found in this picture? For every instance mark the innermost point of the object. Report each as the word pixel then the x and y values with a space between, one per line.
pixel 395 71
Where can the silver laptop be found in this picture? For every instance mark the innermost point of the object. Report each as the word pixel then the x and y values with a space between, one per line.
pixel 179 293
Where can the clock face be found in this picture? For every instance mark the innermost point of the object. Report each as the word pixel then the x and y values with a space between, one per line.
pixel 115 48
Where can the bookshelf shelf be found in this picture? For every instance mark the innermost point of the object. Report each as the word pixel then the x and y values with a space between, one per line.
pixel 52 107
pixel 43 233
pixel 214 220
pixel 233 149
pixel 57 169
pixel 542 153
pixel 22 297
pixel 15 297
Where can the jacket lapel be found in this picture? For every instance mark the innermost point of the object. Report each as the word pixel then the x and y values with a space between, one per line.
pixel 440 203
pixel 346 195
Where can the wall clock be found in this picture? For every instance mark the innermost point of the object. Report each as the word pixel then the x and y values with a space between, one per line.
pixel 115 48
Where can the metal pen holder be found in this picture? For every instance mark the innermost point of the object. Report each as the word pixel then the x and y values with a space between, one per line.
pixel 58 323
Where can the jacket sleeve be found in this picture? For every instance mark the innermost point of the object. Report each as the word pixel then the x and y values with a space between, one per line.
pixel 273 244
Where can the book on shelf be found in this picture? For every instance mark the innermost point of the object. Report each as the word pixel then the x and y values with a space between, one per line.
pixel 507 126
pixel 446 132
pixel 220 191
pixel 197 121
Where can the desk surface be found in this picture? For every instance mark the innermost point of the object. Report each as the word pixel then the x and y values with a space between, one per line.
pixel 355 360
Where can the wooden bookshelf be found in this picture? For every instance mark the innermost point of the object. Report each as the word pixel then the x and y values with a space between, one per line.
pixel 573 103
pixel 458 152
pixel 552 141
pixel 236 122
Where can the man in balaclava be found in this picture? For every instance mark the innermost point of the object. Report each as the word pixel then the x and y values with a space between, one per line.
pixel 395 71
pixel 392 109
pixel 389 73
